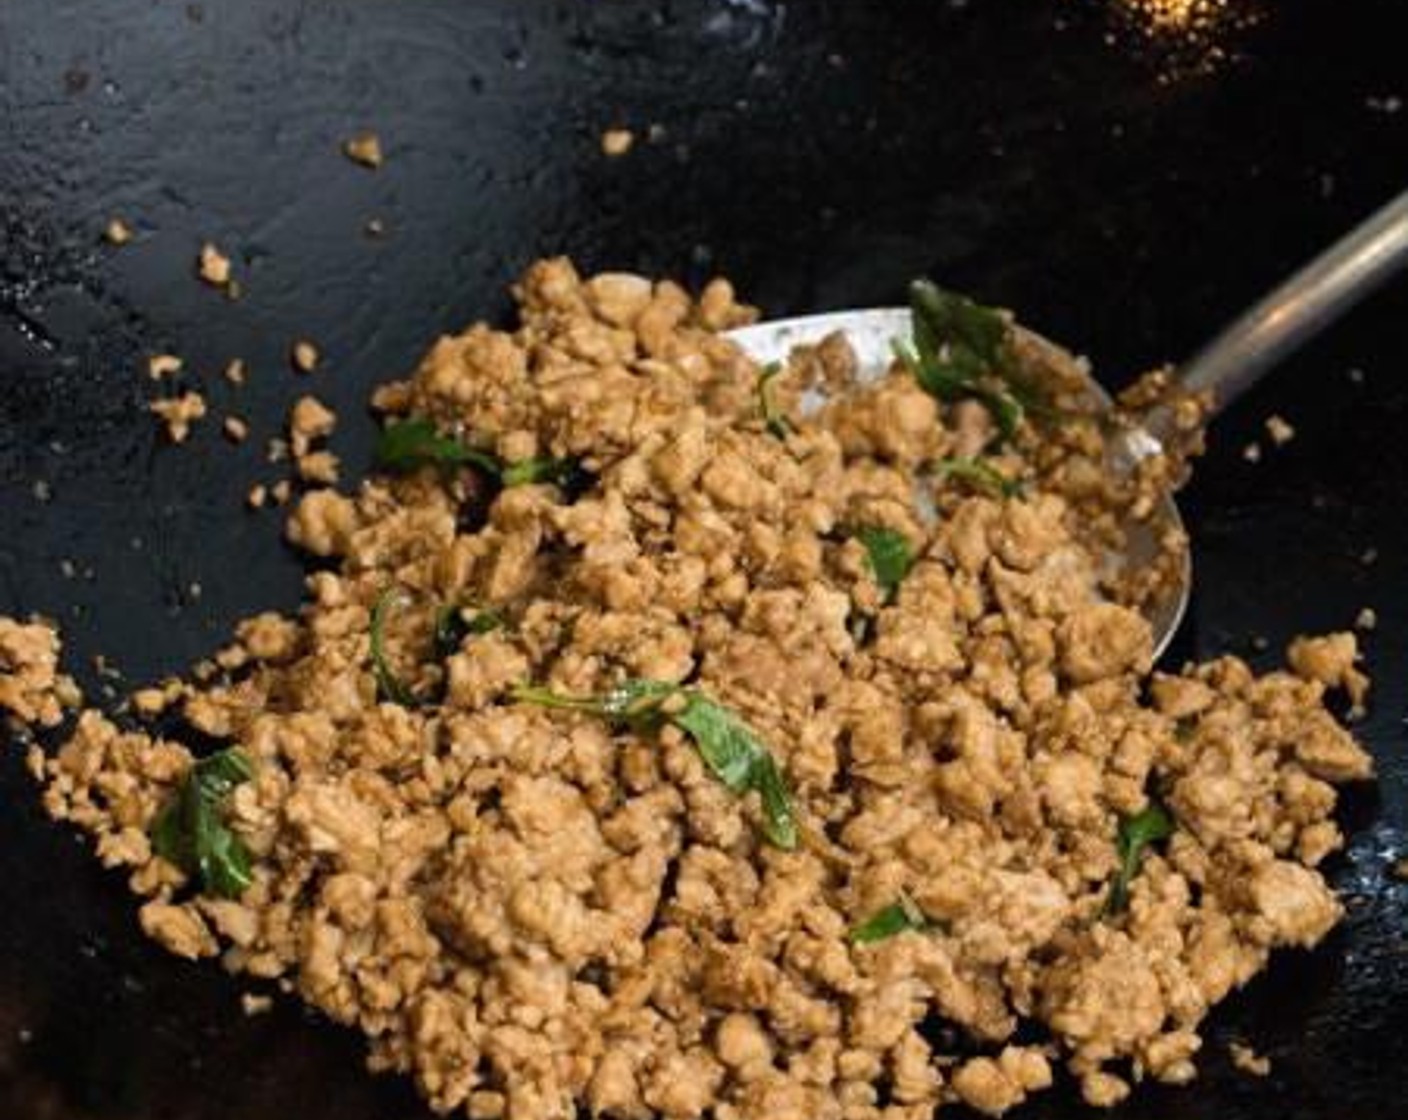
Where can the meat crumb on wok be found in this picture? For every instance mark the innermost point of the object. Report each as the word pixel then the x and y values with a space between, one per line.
pixel 163 365
pixel 617 142
pixel 365 149
pixel 179 413
pixel 1280 430
pixel 304 356
pixel 117 232
pixel 645 744
pixel 1248 1060
pixel 213 266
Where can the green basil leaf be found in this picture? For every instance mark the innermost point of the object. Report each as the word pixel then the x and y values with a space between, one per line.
pixel 389 686
pixel 958 343
pixel 405 445
pixel 218 774
pixel 224 861
pixel 890 557
pixel 171 836
pixel 975 335
pixel 980 474
pixel 633 702
pixel 728 746
pixel 190 831
pixel 891 920
pixel 944 381
pixel 1135 834
pixel 774 419
pixel 779 819
pixel 1007 411
pixel 526 471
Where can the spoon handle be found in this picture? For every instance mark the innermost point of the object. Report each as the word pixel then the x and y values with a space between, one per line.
pixel 1297 309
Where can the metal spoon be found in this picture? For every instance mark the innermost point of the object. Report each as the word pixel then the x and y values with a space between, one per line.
pixel 1225 368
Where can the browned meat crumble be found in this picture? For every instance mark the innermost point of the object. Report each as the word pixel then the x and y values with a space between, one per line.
pixel 530 910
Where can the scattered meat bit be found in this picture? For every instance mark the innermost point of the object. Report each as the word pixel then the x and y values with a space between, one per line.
pixel 364 148
pixel 1367 619
pixel 1331 661
pixel 308 420
pixel 236 372
pixel 213 266
pixel 311 420
pixel 1400 870
pixel 1248 1060
pixel 318 466
pixel 117 232
pixel 179 929
pixel 42 490
pixel 277 450
pixel 179 413
pixel 993 1086
pixel 236 429
pixel 1252 453
pixel 1279 430
pixel 375 227
pixel 281 492
pixel 257 497
pixel 617 141
pixel 163 365
pixel 304 356
pixel 151 702
pixel 31 687
pixel 252 1004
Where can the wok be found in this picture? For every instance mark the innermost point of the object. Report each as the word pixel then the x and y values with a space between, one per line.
pixel 1117 182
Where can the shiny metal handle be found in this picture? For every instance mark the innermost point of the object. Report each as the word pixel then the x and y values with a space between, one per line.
pixel 1320 292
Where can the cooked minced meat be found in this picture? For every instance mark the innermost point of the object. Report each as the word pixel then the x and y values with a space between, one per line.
pixel 531 909
pixel 32 691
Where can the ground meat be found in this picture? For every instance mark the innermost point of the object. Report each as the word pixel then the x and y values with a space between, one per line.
pixel 364 148
pixel 213 266
pixel 1331 661
pixel 617 141
pixel 528 909
pixel 179 929
pixel 179 413
pixel 304 356
pixel 309 420
pixel 995 1085
pixel 163 365
pixel 1103 640
pixel 323 523
pixel 1248 1060
pixel 31 688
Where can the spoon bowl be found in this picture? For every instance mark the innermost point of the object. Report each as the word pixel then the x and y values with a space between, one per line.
pixel 872 333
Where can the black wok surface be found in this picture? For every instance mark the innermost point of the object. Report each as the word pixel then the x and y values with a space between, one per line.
pixel 1124 191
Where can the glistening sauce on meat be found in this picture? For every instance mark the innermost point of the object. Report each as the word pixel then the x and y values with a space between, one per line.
pixel 647 747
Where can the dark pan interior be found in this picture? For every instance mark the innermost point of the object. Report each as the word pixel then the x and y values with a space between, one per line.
pixel 1124 189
